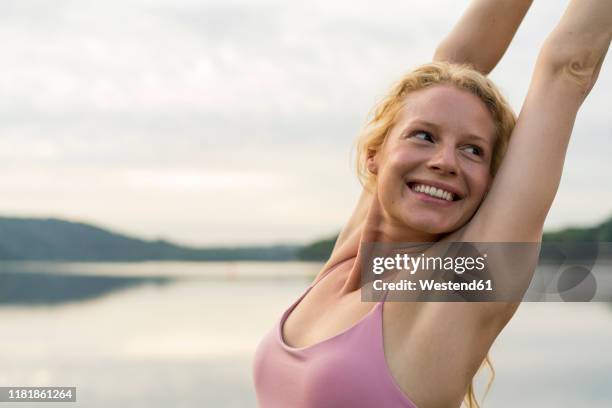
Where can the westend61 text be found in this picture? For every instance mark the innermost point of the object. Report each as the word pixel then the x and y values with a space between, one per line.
pixel 430 284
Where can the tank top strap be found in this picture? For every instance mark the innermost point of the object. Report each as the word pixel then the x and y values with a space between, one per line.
pixel 384 296
pixel 333 268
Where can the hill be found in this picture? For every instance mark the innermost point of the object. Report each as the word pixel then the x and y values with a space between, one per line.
pixel 321 250
pixel 51 239
pixel 54 239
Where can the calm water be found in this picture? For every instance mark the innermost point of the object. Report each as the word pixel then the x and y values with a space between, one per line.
pixel 183 335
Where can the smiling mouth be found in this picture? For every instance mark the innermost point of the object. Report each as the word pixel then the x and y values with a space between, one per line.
pixel 433 192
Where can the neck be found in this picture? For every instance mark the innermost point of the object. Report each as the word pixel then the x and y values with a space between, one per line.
pixel 379 227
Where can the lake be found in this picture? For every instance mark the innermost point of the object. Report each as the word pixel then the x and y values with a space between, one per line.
pixel 183 334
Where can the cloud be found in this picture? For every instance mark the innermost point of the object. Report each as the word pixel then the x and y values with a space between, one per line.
pixel 232 121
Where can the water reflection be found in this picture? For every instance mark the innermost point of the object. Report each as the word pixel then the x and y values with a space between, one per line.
pixel 188 339
pixel 55 283
pixel 18 288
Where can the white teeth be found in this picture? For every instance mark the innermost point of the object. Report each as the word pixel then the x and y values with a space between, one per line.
pixel 433 191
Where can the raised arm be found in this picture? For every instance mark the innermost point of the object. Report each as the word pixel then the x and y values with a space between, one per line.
pixel 527 181
pixel 480 38
pixel 483 33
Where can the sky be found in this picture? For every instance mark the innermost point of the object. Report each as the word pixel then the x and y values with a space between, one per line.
pixel 233 122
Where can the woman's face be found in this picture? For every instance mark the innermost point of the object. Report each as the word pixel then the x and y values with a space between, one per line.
pixel 433 169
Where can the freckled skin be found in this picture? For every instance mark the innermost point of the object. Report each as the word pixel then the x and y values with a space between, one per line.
pixel 445 153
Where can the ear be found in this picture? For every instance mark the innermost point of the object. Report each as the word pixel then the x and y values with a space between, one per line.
pixel 372 162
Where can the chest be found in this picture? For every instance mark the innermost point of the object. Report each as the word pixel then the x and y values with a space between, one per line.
pixel 430 350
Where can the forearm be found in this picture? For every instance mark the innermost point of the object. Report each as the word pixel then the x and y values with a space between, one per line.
pixel 565 71
pixel 483 33
pixel 576 48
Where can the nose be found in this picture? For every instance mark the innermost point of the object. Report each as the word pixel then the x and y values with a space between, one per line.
pixel 444 161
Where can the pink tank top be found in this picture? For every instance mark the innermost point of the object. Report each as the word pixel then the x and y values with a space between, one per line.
pixel 345 370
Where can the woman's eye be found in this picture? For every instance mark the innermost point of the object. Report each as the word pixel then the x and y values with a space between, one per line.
pixel 423 136
pixel 474 150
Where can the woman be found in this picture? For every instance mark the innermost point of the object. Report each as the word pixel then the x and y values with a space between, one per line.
pixel 430 162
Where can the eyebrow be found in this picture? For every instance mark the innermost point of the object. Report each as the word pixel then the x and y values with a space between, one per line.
pixel 437 128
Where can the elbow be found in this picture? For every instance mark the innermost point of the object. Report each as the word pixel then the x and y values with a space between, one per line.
pixel 461 54
pixel 576 61
pixel 443 53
